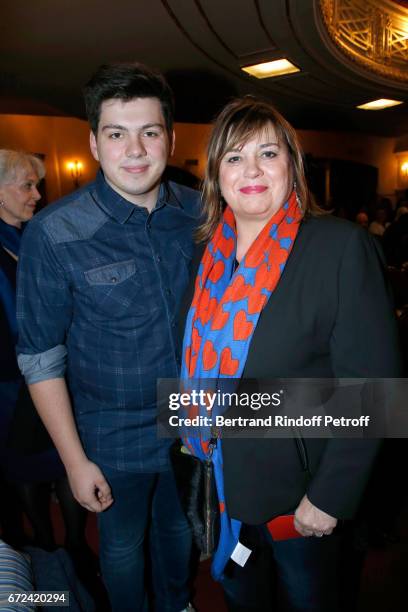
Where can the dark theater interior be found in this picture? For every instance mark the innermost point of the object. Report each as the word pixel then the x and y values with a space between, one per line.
pixel 338 72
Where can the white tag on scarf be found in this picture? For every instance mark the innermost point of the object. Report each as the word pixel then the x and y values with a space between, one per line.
pixel 240 554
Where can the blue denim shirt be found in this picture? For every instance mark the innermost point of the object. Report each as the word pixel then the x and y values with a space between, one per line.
pixel 99 285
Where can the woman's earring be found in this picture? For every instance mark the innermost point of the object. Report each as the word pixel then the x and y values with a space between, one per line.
pixel 1 203
pixel 298 202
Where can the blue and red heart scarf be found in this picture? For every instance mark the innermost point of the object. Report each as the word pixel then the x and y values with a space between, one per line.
pixel 223 315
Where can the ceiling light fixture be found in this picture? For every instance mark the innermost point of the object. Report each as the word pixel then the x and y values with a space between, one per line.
pixel 275 68
pixel 379 104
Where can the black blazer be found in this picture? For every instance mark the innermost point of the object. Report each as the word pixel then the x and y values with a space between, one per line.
pixel 330 316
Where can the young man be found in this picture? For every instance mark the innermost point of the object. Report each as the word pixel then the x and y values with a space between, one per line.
pixel 100 279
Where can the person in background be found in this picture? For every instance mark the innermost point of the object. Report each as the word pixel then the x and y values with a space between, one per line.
pixel 282 291
pixel 382 217
pixel 29 461
pixel 101 276
pixel 379 224
pixel 362 219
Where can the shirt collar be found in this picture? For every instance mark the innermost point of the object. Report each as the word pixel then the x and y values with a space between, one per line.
pixel 121 209
pixel 168 196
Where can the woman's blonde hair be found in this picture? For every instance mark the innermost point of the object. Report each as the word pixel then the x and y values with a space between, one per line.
pixel 13 161
pixel 239 121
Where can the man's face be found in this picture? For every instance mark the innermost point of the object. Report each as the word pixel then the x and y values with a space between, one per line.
pixel 132 146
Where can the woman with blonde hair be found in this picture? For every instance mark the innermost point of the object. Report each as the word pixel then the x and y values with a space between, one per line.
pixel 29 462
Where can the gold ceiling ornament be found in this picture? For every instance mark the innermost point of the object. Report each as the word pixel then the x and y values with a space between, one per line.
pixel 372 33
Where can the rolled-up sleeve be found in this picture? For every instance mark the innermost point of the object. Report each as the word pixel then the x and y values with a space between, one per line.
pixel 44 307
pixel 42 366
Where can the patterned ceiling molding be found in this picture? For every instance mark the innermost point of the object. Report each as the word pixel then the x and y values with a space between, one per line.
pixel 372 33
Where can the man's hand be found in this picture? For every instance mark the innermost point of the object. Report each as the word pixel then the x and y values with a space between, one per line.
pixel 88 484
pixel 310 521
pixel 90 487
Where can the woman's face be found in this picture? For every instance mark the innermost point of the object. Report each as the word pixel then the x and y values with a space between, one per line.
pixel 19 198
pixel 256 178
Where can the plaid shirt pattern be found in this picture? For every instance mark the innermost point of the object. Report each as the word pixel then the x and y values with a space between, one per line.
pixel 99 285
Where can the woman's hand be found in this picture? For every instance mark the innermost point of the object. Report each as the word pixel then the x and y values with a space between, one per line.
pixel 310 521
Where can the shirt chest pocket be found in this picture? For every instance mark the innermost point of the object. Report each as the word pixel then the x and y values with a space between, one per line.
pixel 115 289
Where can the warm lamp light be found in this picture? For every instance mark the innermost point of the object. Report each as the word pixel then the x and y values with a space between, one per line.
pixel 379 104
pixel 402 165
pixel 275 68
pixel 75 168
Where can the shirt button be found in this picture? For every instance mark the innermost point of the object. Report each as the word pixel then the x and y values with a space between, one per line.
pixel 158 258
pixel 168 291
pixel 149 226
pixel 114 279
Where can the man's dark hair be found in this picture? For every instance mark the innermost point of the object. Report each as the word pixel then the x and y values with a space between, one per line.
pixel 127 81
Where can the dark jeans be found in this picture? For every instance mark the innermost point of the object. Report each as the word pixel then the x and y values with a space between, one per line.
pixel 144 505
pixel 302 571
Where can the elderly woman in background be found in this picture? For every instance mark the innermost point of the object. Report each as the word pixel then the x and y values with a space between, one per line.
pixel 28 460
pixel 282 291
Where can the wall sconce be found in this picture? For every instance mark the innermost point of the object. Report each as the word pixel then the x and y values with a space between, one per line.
pixel 401 152
pixel 75 168
pixel 402 165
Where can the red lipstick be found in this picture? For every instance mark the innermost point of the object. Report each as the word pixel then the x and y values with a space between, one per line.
pixel 249 189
